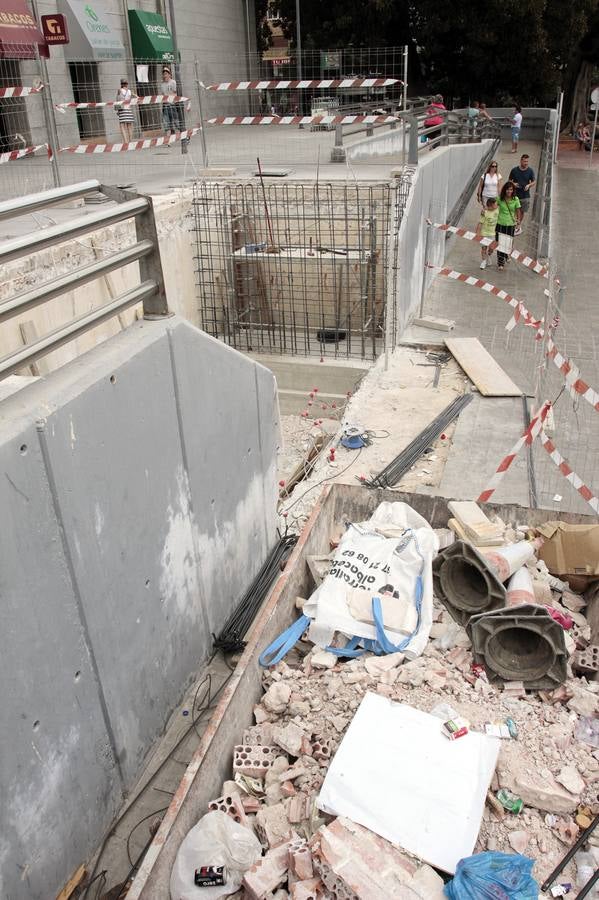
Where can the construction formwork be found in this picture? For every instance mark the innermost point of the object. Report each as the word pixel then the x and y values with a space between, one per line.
pixel 294 268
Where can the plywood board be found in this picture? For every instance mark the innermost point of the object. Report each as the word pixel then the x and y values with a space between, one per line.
pixel 394 754
pixel 481 368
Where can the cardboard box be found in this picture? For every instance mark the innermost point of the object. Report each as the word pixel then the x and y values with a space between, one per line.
pixel 570 549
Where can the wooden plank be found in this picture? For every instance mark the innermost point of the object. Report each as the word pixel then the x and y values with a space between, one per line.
pixel 481 368
pixel 73 883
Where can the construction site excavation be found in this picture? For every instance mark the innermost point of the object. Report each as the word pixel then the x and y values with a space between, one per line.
pixel 300 558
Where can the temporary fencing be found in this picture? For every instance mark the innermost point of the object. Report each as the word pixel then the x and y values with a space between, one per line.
pixel 84 109
pixel 128 146
pixel 568 473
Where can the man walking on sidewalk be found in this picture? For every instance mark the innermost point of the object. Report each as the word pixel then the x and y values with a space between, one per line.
pixel 523 178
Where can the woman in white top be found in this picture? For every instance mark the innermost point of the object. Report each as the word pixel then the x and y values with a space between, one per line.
pixel 516 126
pixel 489 184
pixel 125 113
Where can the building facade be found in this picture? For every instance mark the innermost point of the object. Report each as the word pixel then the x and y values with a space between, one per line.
pixel 110 40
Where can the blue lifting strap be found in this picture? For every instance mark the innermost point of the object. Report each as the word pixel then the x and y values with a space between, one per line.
pixel 281 645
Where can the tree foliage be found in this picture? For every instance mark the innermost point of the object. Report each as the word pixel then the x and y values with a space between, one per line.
pixel 499 51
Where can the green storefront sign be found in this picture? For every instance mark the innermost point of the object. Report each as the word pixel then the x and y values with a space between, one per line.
pixel 150 37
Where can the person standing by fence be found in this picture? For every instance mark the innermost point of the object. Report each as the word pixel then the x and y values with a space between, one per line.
pixel 169 113
pixel 435 118
pixel 124 113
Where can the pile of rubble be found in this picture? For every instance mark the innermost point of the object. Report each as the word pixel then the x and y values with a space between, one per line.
pixel 548 765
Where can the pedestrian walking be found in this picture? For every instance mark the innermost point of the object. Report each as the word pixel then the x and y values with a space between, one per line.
pixel 523 177
pixel 507 221
pixel 124 113
pixel 169 89
pixel 489 184
pixel 486 227
pixel 435 117
pixel 483 112
pixel 516 126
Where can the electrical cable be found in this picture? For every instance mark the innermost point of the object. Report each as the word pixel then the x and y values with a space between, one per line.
pixel 136 826
pixel 322 481
pixel 184 735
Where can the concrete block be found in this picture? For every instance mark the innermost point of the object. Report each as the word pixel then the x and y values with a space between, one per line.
pixel 356 864
pixel 272 825
pixel 254 761
pixel 311 889
pixel 289 738
pixel 434 323
pixel 537 787
pixel 267 874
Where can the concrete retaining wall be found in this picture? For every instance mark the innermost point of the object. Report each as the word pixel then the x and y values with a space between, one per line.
pixel 437 183
pixel 139 496
pixel 176 252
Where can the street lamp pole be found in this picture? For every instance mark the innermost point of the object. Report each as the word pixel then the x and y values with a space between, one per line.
pixel 298 39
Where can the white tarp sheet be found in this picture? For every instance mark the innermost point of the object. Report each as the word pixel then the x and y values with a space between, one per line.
pixel 397 774
pixel 384 555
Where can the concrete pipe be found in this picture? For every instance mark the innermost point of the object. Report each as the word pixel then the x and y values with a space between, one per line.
pixel 520 643
pixel 466 583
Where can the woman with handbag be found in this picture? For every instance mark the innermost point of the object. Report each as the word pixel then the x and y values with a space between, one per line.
pixel 507 220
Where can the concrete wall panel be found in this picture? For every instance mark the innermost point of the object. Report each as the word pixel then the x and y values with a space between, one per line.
pixel 136 514
pixel 58 775
pixel 231 482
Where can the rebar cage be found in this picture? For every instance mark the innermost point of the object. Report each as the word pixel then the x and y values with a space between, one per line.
pixel 292 268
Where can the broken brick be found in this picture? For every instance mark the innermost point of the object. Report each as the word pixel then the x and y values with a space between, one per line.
pixel 254 761
pixel 272 825
pixel 267 874
pixel 232 805
pixel 310 889
pixel 300 862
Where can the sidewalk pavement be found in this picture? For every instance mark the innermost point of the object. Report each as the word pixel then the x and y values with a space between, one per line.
pixel 487 430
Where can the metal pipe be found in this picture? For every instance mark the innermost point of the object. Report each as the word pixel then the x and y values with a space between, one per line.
pixel 55 339
pixel 413 141
pixel 48 107
pixel 405 77
pixel 200 90
pixel 57 234
pixel 20 206
pixel 589 885
pixel 571 852
pixel 51 289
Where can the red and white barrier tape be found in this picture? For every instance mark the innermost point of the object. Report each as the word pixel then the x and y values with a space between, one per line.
pixel 302 85
pixel 527 261
pixel 6 92
pixel 527 438
pixel 568 473
pixel 24 151
pixel 121 104
pixel 520 311
pixel 302 120
pixel 575 385
pixel 131 145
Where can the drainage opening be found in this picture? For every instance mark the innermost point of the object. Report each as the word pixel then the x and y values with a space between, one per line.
pixel 519 654
pixel 464 585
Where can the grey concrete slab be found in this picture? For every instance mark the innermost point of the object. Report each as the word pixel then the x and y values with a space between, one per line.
pixel 139 494
pixel 485 432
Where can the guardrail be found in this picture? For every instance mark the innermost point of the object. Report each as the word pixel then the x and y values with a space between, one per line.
pixel 456 128
pixel 541 205
pixel 150 292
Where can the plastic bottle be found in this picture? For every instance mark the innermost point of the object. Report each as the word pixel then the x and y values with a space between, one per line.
pixel 585 867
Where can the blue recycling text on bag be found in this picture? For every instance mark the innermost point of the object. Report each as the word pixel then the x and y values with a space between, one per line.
pixel 493 876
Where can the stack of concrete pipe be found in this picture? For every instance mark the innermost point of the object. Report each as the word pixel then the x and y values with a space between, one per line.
pixel 491 595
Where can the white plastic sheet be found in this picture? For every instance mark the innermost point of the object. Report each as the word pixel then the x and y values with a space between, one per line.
pixel 384 554
pixel 397 774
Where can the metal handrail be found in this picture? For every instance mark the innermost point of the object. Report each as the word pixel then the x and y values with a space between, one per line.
pixel 20 206
pixel 151 291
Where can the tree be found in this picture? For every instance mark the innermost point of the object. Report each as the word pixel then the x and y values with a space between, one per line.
pixel 578 80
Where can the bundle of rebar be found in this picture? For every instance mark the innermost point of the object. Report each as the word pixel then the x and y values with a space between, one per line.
pixel 402 463
pixel 231 638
